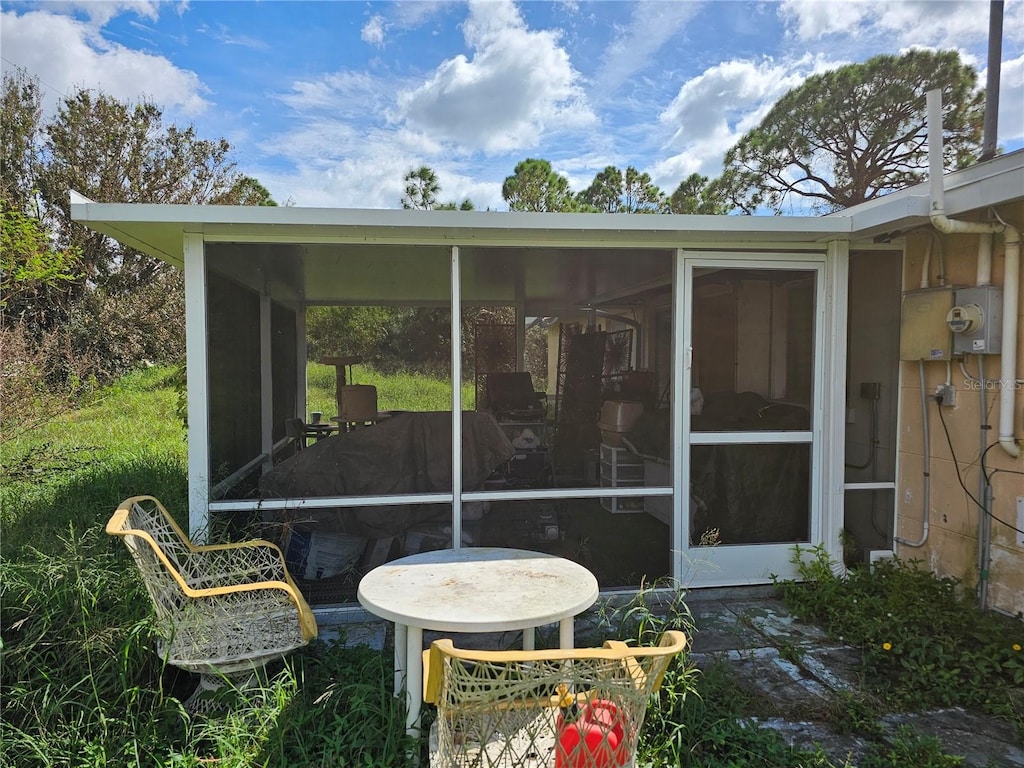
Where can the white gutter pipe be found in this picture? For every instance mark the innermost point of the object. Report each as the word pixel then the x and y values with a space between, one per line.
pixel 1008 370
pixel 984 275
pixel 1011 269
pixel 935 181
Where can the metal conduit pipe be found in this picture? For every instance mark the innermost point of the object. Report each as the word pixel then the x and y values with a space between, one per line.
pixel 984 522
pixel 926 266
pixel 927 463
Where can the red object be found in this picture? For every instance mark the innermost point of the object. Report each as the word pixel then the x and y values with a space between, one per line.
pixel 592 740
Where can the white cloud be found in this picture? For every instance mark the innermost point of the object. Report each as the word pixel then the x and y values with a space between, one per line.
pixel 226 36
pixel 341 95
pixel 946 24
pixel 713 110
pixel 66 55
pixel 99 13
pixel 409 14
pixel 338 165
pixel 632 50
pixel 1011 100
pixel 373 31
pixel 518 86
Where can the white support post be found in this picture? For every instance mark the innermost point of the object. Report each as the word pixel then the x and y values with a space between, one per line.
pixel 520 300
pixel 198 387
pixel 456 379
pixel 680 411
pixel 833 393
pixel 266 383
pixel 301 350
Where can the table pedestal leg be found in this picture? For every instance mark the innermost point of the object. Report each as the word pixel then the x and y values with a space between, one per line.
pixel 529 639
pixel 413 680
pixel 566 633
pixel 401 643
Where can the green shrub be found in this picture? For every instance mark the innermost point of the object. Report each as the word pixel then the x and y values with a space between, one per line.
pixel 924 642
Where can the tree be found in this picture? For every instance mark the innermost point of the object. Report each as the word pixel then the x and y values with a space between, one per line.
pixel 72 295
pixel 855 133
pixel 20 115
pixel 421 189
pixel 534 186
pixel 245 191
pixel 112 151
pixel 29 265
pixel 605 191
pixel 696 195
pixel 614 191
pixel 465 205
pixel 640 194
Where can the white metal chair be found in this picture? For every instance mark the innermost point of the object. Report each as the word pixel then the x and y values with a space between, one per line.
pixel 557 708
pixel 223 610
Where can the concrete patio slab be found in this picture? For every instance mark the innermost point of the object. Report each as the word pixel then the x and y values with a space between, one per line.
pixel 982 741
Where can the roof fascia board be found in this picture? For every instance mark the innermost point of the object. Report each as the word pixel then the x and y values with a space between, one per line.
pixel 983 185
pixel 263 224
pixel 467 238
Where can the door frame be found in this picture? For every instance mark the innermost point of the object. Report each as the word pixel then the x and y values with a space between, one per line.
pixel 732 565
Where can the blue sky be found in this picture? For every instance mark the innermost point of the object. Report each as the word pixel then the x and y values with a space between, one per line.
pixel 330 103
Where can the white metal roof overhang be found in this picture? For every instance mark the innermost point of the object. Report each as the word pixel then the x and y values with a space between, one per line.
pixel 323 256
pixel 983 185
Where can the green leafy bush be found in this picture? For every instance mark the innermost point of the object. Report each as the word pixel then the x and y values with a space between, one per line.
pixel 924 642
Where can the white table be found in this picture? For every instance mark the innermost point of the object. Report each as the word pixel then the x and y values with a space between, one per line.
pixel 472 589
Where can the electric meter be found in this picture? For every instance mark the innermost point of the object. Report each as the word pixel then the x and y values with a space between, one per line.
pixel 976 320
pixel 966 319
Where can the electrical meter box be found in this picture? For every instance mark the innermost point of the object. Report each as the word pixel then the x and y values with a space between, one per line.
pixel 976 320
pixel 924 334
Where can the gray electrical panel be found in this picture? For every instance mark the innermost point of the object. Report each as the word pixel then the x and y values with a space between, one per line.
pixel 976 320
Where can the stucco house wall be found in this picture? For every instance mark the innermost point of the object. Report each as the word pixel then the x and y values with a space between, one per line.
pixel 952 546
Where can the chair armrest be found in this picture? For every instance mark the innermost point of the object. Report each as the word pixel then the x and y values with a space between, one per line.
pixel 433 672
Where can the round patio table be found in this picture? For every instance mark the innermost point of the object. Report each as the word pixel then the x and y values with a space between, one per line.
pixel 472 589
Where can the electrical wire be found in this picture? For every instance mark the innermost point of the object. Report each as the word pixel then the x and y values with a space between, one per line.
pixel 994 472
pixel 956 465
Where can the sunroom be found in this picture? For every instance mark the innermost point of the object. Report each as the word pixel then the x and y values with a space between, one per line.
pixel 692 388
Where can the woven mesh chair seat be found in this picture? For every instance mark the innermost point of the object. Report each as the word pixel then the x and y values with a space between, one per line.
pixel 558 709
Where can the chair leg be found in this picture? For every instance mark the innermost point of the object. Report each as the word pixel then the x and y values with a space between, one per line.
pixel 216 694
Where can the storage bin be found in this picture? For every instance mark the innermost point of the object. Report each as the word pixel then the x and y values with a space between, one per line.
pixel 619 415
pixel 617 418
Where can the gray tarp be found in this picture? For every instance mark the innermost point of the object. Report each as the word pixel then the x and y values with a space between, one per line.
pixel 407 453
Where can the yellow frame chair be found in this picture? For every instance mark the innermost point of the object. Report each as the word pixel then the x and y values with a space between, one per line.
pixel 579 708
pixel 223 610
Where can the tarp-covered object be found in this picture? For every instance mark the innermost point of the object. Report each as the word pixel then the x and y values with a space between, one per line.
pixel 407 453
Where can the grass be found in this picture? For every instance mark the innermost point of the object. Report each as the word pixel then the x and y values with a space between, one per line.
pixel 82 687
pixel 395 392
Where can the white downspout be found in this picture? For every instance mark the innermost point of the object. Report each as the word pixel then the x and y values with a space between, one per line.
pixel 984 273
pixel 1011 280
pixel 1008 369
